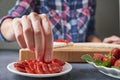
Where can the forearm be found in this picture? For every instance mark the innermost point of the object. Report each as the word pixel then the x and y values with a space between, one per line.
pixel 93 38
pixel 7 29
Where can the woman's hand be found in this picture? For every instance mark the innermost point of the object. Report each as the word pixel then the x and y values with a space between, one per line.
pixel 32 31
pixel 113 39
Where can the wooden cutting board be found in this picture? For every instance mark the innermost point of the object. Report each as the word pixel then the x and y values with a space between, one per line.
pixel 72 53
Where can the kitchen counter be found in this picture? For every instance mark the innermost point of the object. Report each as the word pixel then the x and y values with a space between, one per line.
pixel 80 71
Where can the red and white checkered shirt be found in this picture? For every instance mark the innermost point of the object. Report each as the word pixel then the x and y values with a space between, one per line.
pixel 71 19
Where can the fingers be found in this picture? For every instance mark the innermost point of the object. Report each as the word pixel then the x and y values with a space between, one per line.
pixel 34 32
pixel 48 38
pixel 108 40
pixel 38 35
pixel 17 27
pixel 28 32
pixel 112 39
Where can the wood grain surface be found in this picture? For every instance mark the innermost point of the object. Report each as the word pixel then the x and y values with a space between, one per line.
pixel 72 53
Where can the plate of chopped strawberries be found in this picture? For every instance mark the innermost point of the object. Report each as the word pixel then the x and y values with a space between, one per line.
pixel 108 64
pixel 34 68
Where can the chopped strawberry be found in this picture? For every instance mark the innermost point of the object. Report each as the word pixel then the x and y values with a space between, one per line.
pixel 61 40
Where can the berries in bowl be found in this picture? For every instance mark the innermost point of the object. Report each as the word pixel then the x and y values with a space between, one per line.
pixel 108 64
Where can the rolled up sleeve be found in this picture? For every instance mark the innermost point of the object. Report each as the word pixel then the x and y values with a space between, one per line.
pixel 22 7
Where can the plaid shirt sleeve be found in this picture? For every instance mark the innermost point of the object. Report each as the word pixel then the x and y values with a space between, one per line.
pixel 91 24
pixel 22 7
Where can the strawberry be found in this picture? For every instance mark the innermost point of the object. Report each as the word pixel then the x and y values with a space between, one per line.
pixel 105 59
pixel 98 56
pixel 116 53
pixel 112 61
pixel 117 63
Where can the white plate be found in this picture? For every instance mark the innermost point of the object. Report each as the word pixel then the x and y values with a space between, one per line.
pixel 66 68
pixel 112 72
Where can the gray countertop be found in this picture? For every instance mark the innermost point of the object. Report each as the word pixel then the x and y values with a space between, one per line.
pixel 80 71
